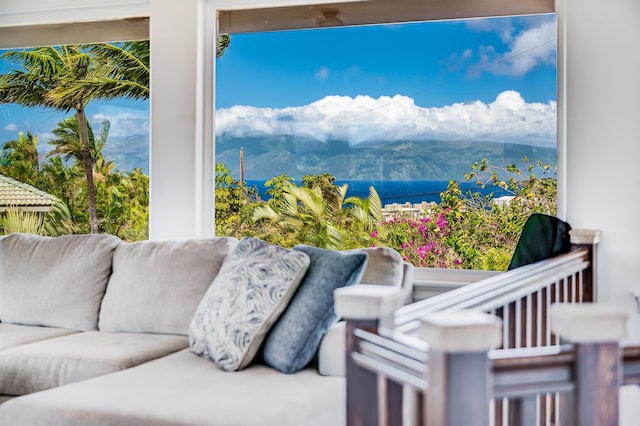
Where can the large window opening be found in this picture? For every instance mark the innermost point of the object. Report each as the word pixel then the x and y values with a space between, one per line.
pixel 435 138
pixel 47 93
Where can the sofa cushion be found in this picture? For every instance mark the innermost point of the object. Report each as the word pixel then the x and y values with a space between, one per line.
pixel 385 266
pixel 294 339
pixel 333 351
pixel 15 335
pixel 56 282
pixel 254 285
pixel 156 285
pixel 184 389
pixel 54 362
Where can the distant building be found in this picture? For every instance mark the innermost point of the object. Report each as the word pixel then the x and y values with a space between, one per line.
pixel 16 194
pixel 503 201
pixel 407 210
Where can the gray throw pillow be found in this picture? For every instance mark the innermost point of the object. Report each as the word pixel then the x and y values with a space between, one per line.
pixel 295 338
pixel 254 285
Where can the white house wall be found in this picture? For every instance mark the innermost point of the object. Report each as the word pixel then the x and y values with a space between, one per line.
pixel 602 78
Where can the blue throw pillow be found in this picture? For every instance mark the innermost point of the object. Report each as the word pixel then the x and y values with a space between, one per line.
pixel 295 338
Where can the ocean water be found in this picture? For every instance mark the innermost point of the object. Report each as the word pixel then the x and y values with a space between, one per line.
pixel 395 191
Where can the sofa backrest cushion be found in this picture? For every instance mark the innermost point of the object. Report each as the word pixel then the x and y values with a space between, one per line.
pixel 156 286
pixel 56 282
pixel 385 266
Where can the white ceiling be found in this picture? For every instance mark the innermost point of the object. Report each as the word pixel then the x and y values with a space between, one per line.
pixel 264 19
pixel 372 12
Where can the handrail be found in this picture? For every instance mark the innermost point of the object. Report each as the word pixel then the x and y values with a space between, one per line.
pixel 631 370
pixel 415 354
pixel 548 270
pixel 532 371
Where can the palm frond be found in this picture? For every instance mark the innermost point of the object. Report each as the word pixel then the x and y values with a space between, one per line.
pixel 375 204
pixel 263 211
pixel 15 220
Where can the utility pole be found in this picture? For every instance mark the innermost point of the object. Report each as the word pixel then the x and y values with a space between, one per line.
pixel 241 166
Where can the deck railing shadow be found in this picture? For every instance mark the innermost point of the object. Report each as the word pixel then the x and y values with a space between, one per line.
pixel 490 353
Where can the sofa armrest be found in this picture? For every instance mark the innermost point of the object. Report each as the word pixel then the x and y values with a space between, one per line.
pixel 407 282
pixel 331 359
pixel 331 354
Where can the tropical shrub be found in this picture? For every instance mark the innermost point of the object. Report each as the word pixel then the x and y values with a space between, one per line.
pixel 234 204
pixel 421 242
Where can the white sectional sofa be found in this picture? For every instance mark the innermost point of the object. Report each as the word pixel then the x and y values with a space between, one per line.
pixel 95 331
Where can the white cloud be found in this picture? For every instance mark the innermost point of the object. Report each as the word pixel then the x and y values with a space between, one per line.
pixel 528 49
pixel 11 127
pixel 509 118
pixel 531 45
pixel 122 122
pixel 322 73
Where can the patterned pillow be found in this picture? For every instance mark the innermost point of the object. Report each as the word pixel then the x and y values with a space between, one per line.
pixel 295 338
pixel 252 289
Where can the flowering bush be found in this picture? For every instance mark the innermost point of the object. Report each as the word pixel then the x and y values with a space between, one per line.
pixel 467 230
pixel 421 242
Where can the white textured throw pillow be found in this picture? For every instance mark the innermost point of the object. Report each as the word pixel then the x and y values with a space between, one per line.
pixel 256 282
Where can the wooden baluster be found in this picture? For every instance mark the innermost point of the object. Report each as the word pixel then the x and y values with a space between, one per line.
pixel 595 330
pixel 366 307
pixel 459 376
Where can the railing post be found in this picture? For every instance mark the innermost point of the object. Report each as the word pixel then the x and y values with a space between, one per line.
pixel 365 307
pixel 458 370
pixel 589 239
pixel 595 330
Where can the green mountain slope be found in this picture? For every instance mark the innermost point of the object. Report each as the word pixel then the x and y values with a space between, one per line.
pixel 406 160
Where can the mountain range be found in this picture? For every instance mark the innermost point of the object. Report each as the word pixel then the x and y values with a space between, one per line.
pixel 266 157
pixel 269 156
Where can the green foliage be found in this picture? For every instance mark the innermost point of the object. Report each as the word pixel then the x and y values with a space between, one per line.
pixel 316 213
pixel 67 78
pixel 122 199
pixel 466 230
pixel 19 158
pixel 222 43
pixel 484 234
pixel 421 242
pixel 16 220
pixel 234 203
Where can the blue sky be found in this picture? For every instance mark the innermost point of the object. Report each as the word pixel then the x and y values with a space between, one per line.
pixel 492 79
pixel 424 61
pixel 484 79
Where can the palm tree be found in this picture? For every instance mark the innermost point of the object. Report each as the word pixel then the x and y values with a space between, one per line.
pixel 223 41
pixel 19 158
pixel 62 180
pixel 69 77
pixel 303 216
pixel 366 212
pixel 317 213
pixel 67 140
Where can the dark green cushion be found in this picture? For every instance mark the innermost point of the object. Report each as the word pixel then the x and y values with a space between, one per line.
pixel 542 237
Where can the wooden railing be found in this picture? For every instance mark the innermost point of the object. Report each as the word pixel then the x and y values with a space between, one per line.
pixel 486 353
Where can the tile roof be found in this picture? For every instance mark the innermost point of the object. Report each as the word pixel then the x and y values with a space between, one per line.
pixel 14 193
